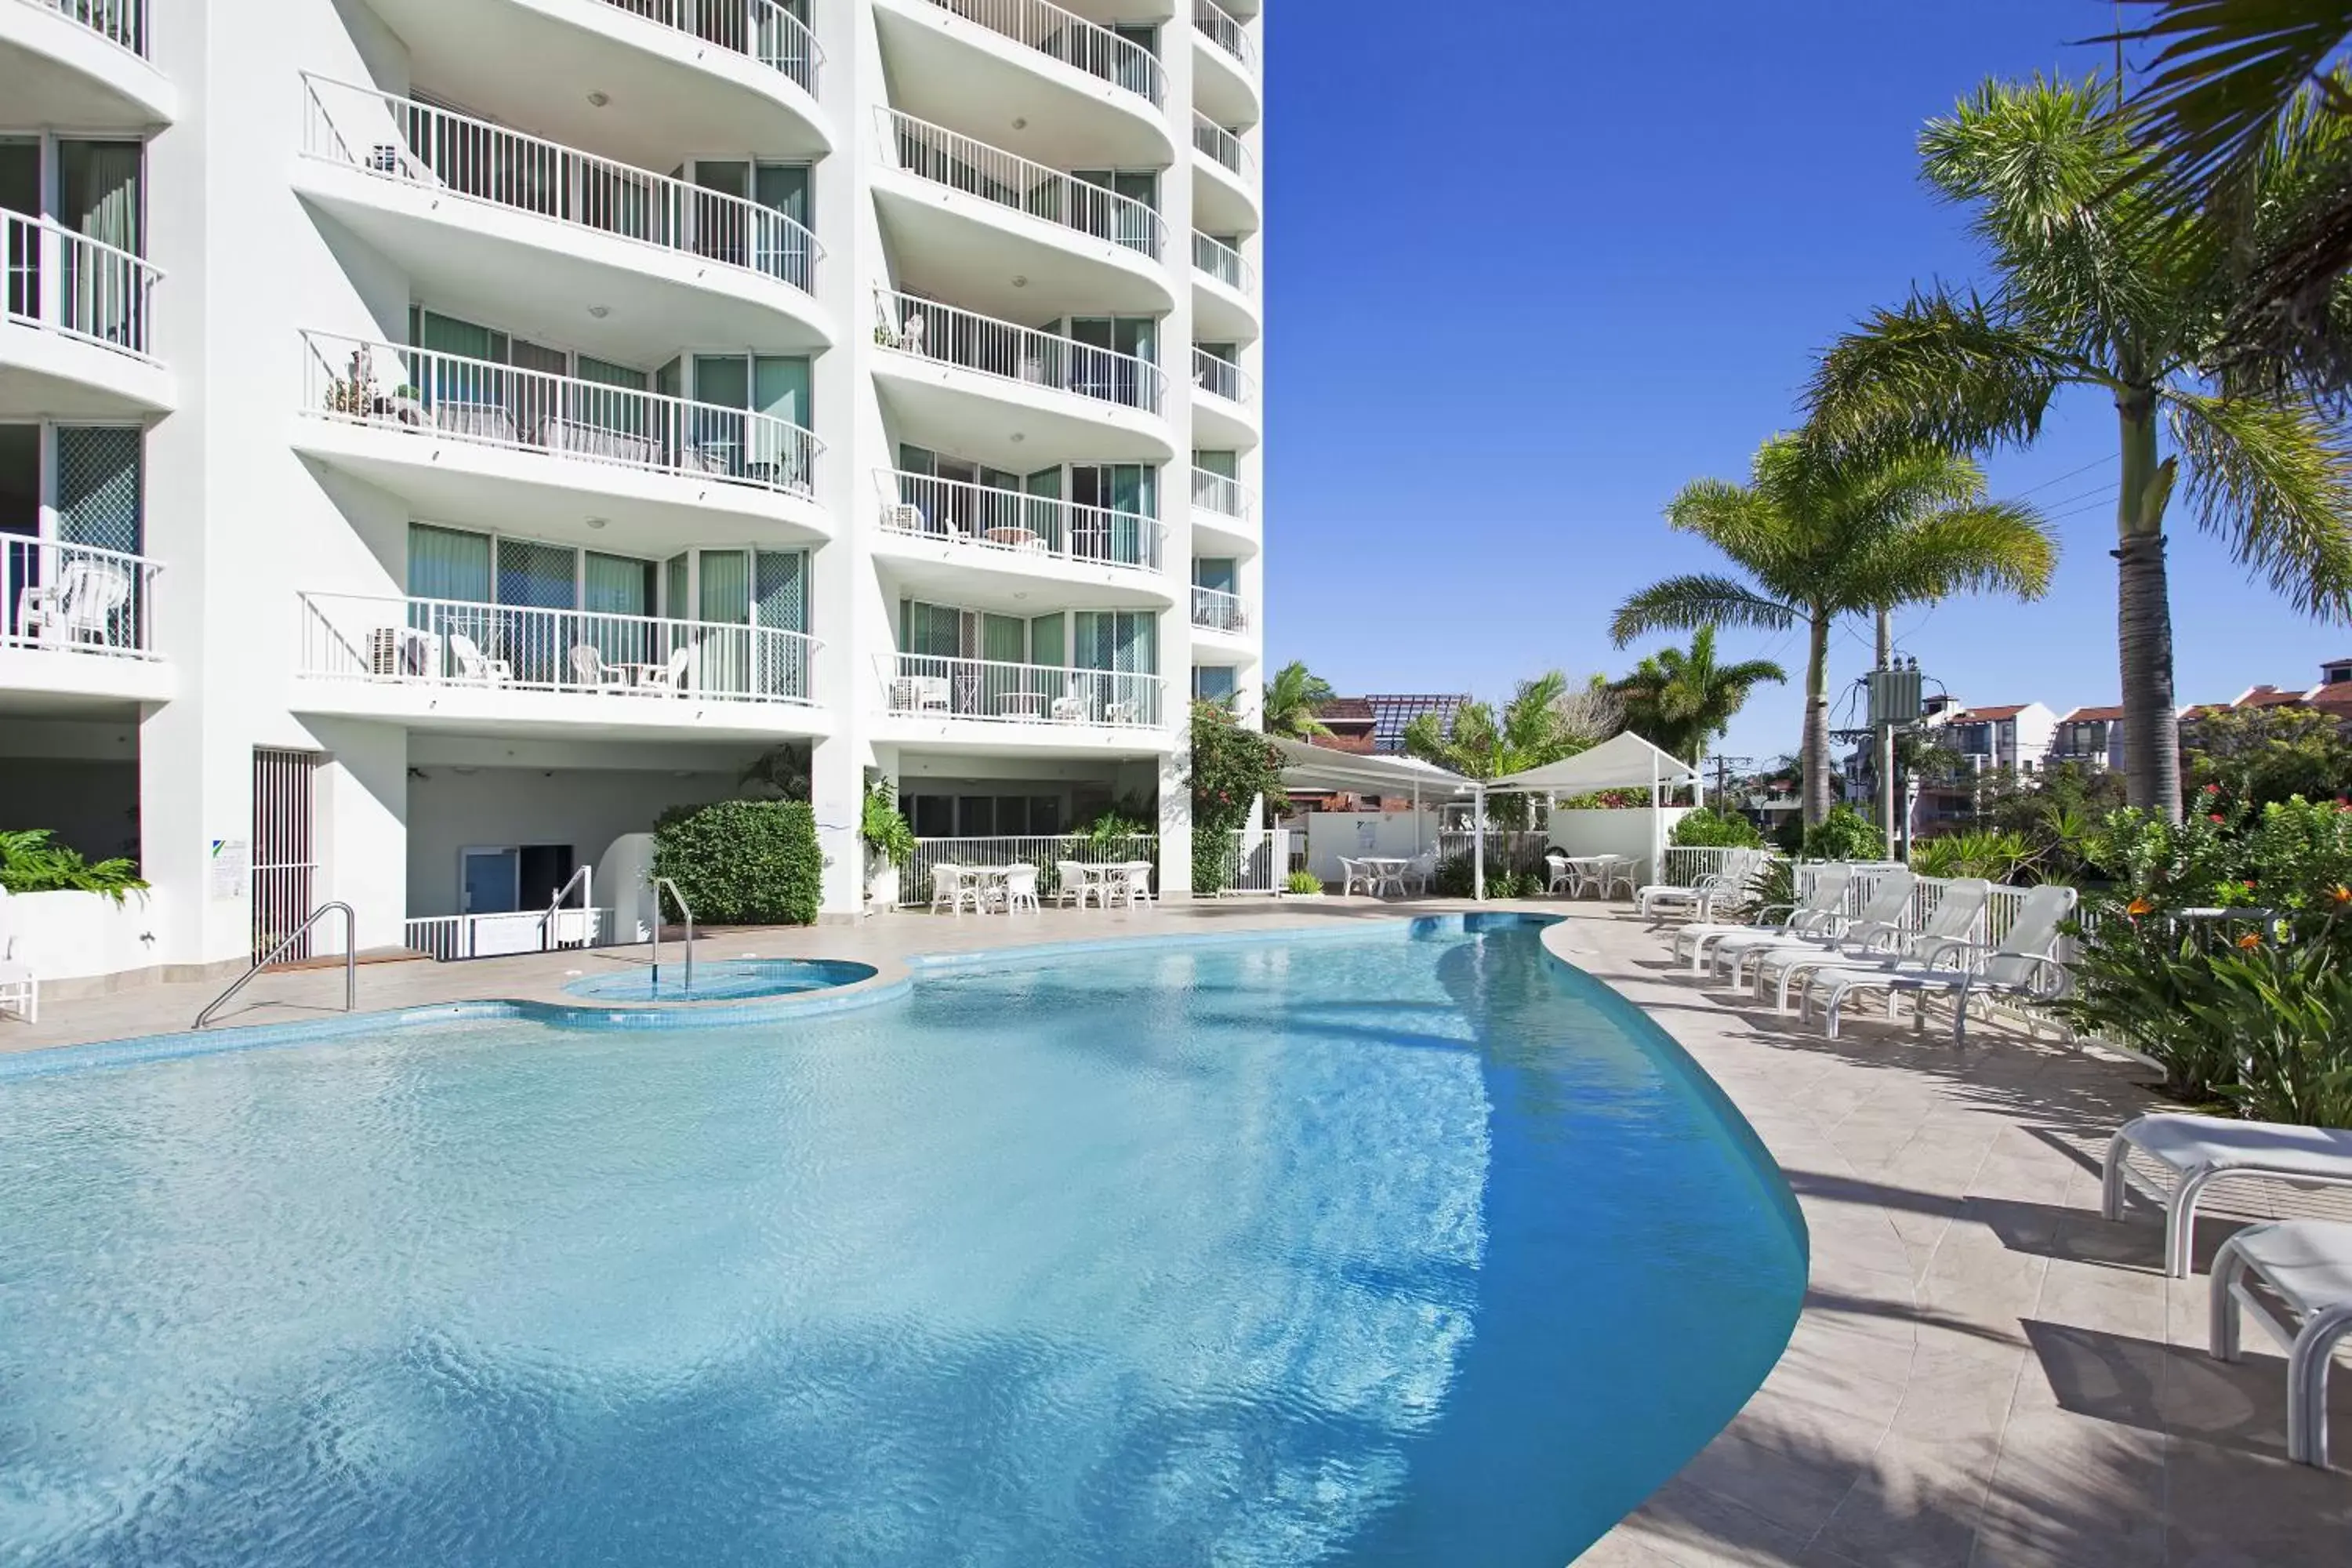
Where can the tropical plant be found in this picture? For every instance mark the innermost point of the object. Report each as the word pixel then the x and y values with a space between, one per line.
pixel 1707 829
pixel 1302 883
pixel 1679 700
pixel 2281 997
pixel 1995 856
pixel 1231 767
pixel 1845 833
pixel 1820 534
pixel 1533 728
pixel 2098 286
pixel 744 862
pixel 888 836
pixel 1291 700
pixel 30 863
pixel 2262 754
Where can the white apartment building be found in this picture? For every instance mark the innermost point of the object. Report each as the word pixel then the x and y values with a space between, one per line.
pixel 438 435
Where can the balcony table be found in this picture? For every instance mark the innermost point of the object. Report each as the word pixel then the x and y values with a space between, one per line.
pixel 1021 704
pixel 1018 537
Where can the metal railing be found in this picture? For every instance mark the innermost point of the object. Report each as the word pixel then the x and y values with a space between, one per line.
pixel 1219 611
pixel 419 392
pixel 664 885
pixel 759 28
pixel 1223 262
pixel 75 598
pixel 1006 348
pixel 1255 861
pixel 451 939
pixel 1045 851
pixel 1223 495
pixel 948 158
pixel 351 961
pixel 1071 39
pixel 390 641
pixel 1222 378
pixel 923 686
pixel 1223 146
pixel 123 22
pixel 1226 32
pixel 399 139
pixel 1683 867
pixel 1017 522
pixel 585 879
pixel 70 284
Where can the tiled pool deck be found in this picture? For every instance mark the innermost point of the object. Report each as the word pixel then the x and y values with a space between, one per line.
pixel 1986 1374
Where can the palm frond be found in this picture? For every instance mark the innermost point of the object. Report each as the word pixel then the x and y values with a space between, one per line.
pixel 1686 603
pixel 1978 547
pixel 2274 480
pixel 1743 521
pixel 2225 74
pixel 1943 369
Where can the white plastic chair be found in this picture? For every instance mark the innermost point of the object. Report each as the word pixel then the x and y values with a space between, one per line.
pixel 671 676
pixel 589 668
pixel 475 666
pixel 952 887
pixel 1020 888
pixel 20 988
pixel 1558 876
pixel 1420 870
pixel 1819 911
pixel 81 606
pixel 1351 872
pixel 1619 870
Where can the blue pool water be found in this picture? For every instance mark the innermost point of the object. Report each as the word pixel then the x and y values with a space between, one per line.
pixel 1412 1248
pixel 722 980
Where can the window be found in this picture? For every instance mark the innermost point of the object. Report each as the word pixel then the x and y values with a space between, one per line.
pixel 1214 682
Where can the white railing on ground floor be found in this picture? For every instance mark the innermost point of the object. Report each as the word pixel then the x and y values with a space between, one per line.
pixel 1017 521
pixel 1508 850
pixel 1045 851
pixel 448 938
pixel 923 686
pixel 1255 861
pixel 449 642
pixel 78 286
pixel 75 598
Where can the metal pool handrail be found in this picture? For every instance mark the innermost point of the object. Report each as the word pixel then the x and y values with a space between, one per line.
pixel 585 879
pixel 351 961
pixel 660 884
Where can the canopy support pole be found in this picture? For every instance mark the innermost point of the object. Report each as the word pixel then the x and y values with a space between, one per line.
pixel 1478 842
pixel 1657 827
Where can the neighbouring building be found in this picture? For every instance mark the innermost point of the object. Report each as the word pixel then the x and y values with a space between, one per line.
pixel 438 435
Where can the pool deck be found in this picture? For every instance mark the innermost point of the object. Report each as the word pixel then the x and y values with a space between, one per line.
pixel 1985 1375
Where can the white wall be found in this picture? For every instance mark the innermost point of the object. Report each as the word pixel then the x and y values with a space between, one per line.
pixel 1616 832
pixel 1331 834
pixel 70 936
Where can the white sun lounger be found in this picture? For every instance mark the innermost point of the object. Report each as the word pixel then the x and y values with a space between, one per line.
pixel 1950 931
pixel 2198 1151
pixel 1821 911
pixel 2306 1267
pixel 1699 901
pixel 2022 965
pixel 1880 928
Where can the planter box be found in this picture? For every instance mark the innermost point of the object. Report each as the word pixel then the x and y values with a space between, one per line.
pixel 73 936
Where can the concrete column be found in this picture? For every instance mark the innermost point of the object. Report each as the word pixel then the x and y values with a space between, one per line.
pixel 362 825
pixel 1175 826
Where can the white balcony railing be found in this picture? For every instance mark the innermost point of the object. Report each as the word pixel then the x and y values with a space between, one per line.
pixel 959 337
pixel 420 392
pixel 1072 39
pixel 1223 262
pixel 759 28
pixel 415 143
pixel 75 598
pixel 1223 145
pixel 1222 378
pixel 1225 497
pixel 975 168
pixel 1226 32
pixel 69 283
pixel 986 518
pixel 618 659
pixel 1216 610
pixel 123 22
pixel 924 687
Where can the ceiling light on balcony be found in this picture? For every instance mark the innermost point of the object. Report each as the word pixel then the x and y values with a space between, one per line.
pixel 1020 281
pixel 600 311
pixel 596 522
pixel 1020 122
pixel 598 99
pixel 1018 437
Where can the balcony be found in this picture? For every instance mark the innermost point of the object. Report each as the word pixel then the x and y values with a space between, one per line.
pixel 617 259
pixel 637 80
pixel 468 439
pixel 1225 74
pixel 988 388
pixel 78 331
pixel 81 63
pixel 1225 507
pixel 1005 232
pixel 1045 705
pixel 1223 413
pixel 949 537
pixel 1216 610
pixel 77 628
pixel 1224 179
pixel 1067 87
pixel 447 662
pixel 1224 291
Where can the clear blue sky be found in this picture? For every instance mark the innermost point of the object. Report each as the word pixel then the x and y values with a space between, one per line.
pixel 1532 267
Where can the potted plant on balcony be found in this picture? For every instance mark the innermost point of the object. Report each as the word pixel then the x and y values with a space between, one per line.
pixel 889 840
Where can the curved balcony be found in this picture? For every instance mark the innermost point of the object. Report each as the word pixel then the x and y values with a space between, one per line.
pixel 950 536
pixel 1000 393
pixel 1003 232
pixel 1224 292
pixel 1224 404
pixel 77 333
pixel 1216 611
pixel 615 259
pixel 1047 83
pixel 81 63
pixel 466 439
pixel 452 662
pixel 637 80
pixel 1226 510
pixel 1224 66
pixel 1046 706
pixel 1224 179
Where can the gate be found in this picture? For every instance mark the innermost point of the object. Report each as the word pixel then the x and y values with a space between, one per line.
pixel 285 849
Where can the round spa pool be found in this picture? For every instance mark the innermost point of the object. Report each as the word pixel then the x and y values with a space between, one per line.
pixel 723 980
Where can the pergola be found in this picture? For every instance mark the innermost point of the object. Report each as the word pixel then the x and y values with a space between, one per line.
pixel 1308 766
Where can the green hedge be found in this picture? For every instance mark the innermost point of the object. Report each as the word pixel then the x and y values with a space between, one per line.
pixel 744 862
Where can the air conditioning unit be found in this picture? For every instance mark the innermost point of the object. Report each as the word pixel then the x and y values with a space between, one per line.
pixel 906 519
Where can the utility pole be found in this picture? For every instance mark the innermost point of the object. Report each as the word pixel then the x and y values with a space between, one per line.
pixel 1884 738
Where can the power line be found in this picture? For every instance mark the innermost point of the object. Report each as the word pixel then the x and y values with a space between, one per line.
pixel 2069 474
pixel 2105 491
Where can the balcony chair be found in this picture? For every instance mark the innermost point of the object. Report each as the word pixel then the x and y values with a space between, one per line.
pixel 20 988
pixel 671 676
pixel 78 608
pixel 1071 710
pixel 918 694
pixel 589 670
pixel 906 334
pixel 1122 712
pixel 907 517
pixel 477 668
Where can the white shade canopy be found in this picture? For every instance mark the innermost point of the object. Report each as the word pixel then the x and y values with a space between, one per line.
pixel 1308 766
pixel 1624 761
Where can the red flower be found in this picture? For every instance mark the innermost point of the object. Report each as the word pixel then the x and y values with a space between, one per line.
pixel 2212 789
pixel 2250 884
pixel 2215 818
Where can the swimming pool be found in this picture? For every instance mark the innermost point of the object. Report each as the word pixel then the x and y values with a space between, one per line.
pixel 722 980
pixel 1408 1248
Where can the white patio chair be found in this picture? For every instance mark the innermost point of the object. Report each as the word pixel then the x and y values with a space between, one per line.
pixel 1619 870
pixel 589 670
pixel 2191 1153
pixel 671 676
pixel 1701 898
pixel 1560 877
pixel 1122 712
pixel 20 988
pixel 475 666
pixel 1069 711
pixel 2305 1269
pixel 1021 889
pixel 1134 884
pixel 906 334
pixel 2022 966
pixel 1819 911
pixel 1421 872
pixel 952 887
pixel 79 608
pixel 1351 872
pixel 1073 886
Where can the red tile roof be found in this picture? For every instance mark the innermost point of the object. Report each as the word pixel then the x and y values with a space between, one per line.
pixel 2010 712
pixel 2335 698
pixel 1361 745
pixel 2269 696
pixel 1346 710
pixel 2085 715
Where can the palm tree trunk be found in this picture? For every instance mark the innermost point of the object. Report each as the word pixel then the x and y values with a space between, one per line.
pixel 1815 753
pixel 2143 613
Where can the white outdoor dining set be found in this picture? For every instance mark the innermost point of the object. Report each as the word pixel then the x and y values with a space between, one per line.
pixel 1008 890
pixel 1592 876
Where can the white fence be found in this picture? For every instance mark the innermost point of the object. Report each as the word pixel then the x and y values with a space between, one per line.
pixel 959 337
pixel 74 598
pixel 448 938
pixel 987 518
pixel 1255 862
pixel 1041 850
pixel 443 396
pixel 946 158
pixel 419 145
pixel 1508 850
pixel 759 28
pixel 81 287
pixel 1071 39
pixel 928 686
pixel 1222 378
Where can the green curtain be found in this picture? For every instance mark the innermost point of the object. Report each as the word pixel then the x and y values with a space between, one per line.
pixel 443 564
pixel 617 585
pixel 784 187
pixel 1218 571
pixel 1003 639
pixel 726 587
pixel 603 373
pixel 1045 640
pixel 934 631
pixel 98 191
pixel 722 379
pixel 1224 464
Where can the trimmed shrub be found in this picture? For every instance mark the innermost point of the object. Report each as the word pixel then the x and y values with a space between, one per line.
pixel 1707 829
pixel 744 862
pixel 1844 834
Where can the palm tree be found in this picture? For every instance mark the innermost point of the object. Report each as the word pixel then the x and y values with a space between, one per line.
pixel 1820 533
pixel 1679 700
pixel 1291 699
pixel 1538 725
pixel 2099 287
